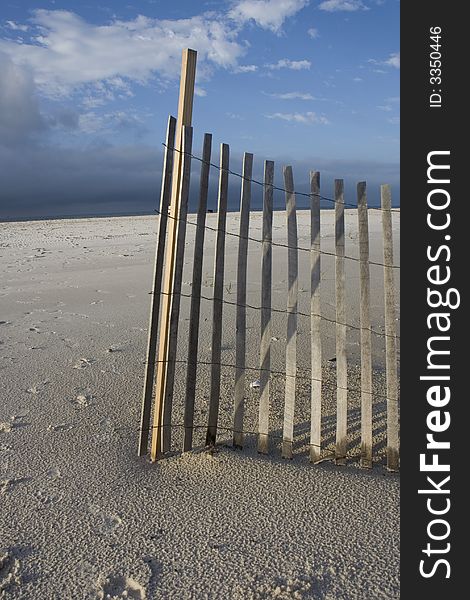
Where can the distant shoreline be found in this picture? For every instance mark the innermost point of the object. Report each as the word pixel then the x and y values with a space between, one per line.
pixel 16 219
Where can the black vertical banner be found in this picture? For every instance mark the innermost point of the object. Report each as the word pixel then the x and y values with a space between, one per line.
pixel 434 348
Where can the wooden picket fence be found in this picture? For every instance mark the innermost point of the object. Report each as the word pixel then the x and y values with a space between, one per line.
pixel 167 292
pixel 164 322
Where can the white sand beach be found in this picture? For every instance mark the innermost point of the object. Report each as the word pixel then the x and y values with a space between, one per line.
pixel 82 516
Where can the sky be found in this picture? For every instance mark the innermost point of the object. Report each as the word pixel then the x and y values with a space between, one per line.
pixel 86 90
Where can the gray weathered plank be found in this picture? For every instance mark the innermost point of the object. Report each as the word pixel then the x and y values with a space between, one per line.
pixel 341 359
pixel 315 319
pixel 390 332
pixel 156 288
pixel 176 294
pixel 194 314
pixel 241 301
pixel 266 279
pixel 218 298
pixel 366 342
pixel 292 307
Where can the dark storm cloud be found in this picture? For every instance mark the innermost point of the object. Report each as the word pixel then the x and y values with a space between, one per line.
pixel 67 119
pixel 44 181
pixel 19 110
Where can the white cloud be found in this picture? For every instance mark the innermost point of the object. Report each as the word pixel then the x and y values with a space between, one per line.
pixel 342 5
pixel 100 93
pixel 393 60
pixel 234 116
pixel 200 92
pixel 295 65
pixel 69 53
pixel 92 122
pixel 245 69
pixel 293 96
pixel 16 27
pixel 306 118
pixel 385 107
pixel 313 33
pixel 394 120
pixel 358 79
pixel 90 101
pixel 268 14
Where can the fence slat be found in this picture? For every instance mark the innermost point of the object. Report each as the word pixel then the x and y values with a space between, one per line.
pixel 292 304
pixel 241 301
pixel 341 360
pixel 156 288
pixel 366 347
pixel 390 332
pixel 177 281
pixel 191 371
pixel 185 106
pixel 218 297
pixel 315 319
pixel 266 278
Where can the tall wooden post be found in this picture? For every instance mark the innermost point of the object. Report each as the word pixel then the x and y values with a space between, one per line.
pixel 185 110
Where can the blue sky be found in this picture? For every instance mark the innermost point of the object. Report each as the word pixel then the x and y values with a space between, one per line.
pixel 311 83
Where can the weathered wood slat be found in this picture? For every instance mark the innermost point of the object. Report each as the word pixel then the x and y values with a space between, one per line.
pixel 266 280
pixel 341 359
pixel 366 342
pixel 177 282
pixel 185 106
pixel 292 307
pixel 390 332
pixel 196 295
pixel 315 319
pixel 156 288
pixel 241 301
pixel 218 298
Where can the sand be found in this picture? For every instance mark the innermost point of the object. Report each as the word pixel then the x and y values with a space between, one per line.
pixel 81 516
